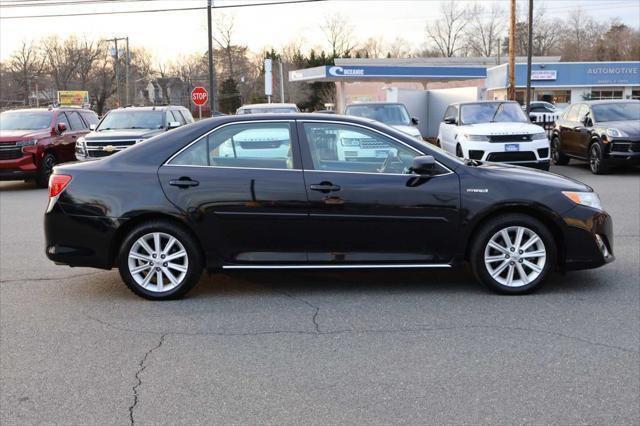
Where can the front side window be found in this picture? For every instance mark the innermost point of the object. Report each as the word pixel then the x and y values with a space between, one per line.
pixel 250 145
pixel 25 120
pixel 450 113
pixel 489 112
pixel 75 121
pixel 120 120
pixel 341 147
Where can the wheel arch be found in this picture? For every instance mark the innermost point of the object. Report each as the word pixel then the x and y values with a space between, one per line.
pixel 141 218
pixel 542 214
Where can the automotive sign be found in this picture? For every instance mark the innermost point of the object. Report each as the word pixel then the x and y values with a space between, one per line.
pixel 544 74
pixel 73 97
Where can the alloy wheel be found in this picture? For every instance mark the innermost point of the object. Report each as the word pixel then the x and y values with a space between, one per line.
pixel 594 158
pixel 158 262
pixel 515 256
pixel 554 151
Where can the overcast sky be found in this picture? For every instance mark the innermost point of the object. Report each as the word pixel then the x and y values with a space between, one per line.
pixel 170 34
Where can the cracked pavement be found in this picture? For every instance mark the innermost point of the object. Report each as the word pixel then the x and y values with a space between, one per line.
pixel 76 347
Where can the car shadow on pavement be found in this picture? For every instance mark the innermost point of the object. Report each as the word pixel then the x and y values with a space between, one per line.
pixel 17 186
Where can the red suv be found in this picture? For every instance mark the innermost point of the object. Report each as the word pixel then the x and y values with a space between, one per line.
pixel 32 141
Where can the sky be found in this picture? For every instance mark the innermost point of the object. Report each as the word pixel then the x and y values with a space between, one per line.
pixel 169 35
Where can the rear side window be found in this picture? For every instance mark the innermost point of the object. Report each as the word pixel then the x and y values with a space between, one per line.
pixel 177 116
pixel 187 115
pixel 250 145
pixel 75 120
pixel 90 117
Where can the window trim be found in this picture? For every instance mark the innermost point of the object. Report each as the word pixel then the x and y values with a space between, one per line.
pixel 294 140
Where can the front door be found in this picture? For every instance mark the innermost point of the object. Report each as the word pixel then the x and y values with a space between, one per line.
pixel 364 204
pixel 242 188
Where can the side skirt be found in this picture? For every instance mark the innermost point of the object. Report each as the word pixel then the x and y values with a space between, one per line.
pixel 353 266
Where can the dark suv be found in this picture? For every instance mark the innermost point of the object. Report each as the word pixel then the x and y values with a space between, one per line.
pixel 32 141
pixel 605 133
pixel 123 127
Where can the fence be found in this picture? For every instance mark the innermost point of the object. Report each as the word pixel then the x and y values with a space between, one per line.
pixel 544 120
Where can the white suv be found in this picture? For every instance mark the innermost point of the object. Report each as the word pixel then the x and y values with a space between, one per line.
pixel 497 131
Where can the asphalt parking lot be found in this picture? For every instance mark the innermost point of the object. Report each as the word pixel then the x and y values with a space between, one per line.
pixel 318 347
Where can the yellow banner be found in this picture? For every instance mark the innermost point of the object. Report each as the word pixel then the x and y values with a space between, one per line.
pixel 73 97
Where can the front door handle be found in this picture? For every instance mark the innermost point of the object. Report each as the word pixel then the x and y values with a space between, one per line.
pixel 184 182
pixel 324 187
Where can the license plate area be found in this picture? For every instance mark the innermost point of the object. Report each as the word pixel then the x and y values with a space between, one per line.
pixel 512 147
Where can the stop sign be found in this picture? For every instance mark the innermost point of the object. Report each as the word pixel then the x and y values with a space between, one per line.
pixel 199 96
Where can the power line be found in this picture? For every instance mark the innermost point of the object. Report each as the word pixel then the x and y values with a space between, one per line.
pixel 47 3
pixel 128 12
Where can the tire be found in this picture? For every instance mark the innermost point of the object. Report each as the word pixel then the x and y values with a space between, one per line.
pixel 459 152
pixel 596 162
pixel 438 143
pixel 557 155
pixel 156 284
pixel 546 166
pixel 46 168
pixel 494 272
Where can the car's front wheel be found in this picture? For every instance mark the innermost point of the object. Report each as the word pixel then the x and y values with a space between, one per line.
pixel 557 155
pixel 513 254
pixel 596 162
pixel 46 168
pixel 159 261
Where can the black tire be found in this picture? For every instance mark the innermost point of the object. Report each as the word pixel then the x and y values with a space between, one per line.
pixel 459 152
pixel 546 166
pixel 596 162
pixel 194 257
pixel 46 168
pixel 557 155
pixel 490 229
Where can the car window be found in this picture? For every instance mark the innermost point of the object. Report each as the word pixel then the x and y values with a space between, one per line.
pixel 25 120
pixel 75 120
pixel 489 112
pixel 582 113
pixel 572 113
pixel 62 118
pixel 90 117
pixel 251 145
pixel 391 114
pixel 187 115
pixel 346 148
pixel 177 117
pixel 450 113
pixel 622 111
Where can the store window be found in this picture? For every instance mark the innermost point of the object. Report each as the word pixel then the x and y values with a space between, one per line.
pixel 597 94
pixel 635 94
pixel 554 96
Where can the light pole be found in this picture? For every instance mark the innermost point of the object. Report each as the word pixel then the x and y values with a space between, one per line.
pixel 117 67
pixel 529 54
pixel 212 71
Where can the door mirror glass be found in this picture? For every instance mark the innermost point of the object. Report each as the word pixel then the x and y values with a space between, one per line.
pixel 92 127
pixel 414 121
pixel 62 128
pixel 424 165
pixel 588 122
pixel 450 120
pixel 173 124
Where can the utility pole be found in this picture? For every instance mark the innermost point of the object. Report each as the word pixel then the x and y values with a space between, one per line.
pixel 281 82
pixel 529 54
pixel 212 71
pixel 126 65
pixel 511 92
pixel 116 67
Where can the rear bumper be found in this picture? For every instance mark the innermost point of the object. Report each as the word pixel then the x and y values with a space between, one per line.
pixel 588 238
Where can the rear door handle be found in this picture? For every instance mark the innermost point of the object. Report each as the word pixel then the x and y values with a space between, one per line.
pixel 184 182
pixel 324 187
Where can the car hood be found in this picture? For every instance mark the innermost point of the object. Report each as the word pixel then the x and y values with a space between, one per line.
pixel 528 175
pixel 12 135
pixel 630 127
pixel 501 128
pixel 410 130
pixel 123 134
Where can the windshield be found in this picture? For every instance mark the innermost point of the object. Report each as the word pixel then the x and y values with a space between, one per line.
pixel 132 120
pixel 393 115
pixel 622 111
pixel 490 112
pixel 25 120
pixel 279 110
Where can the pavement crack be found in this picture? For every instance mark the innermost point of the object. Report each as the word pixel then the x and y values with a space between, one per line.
pixel 141 367
pixel 316 309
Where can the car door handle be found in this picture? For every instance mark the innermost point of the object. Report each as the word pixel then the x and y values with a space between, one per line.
pixel 184 182
pixel 324 187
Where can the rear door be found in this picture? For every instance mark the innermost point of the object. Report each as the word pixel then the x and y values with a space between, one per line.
pixel 242 188
pixel 366 207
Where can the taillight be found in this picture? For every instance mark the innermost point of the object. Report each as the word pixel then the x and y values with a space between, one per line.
pixel 57 184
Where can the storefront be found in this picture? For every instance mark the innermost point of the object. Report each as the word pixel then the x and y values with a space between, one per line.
pixel 568 82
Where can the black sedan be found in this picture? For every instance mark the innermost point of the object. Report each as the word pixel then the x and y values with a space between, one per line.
pixel 315 191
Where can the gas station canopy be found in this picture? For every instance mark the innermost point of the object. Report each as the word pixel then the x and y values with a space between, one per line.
pixel 346 73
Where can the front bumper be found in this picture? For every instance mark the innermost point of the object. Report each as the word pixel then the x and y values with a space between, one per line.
pixel 19 168
pixel 533 153
pixel 588 238
pixel 623 150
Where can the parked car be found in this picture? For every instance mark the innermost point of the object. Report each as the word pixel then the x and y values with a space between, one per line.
pixel 274 108
pixel 390 113
pixel 606 133
pixel 163 211
pixel 543 112
pixel 497 131
pixel 32 141
pixel 123 127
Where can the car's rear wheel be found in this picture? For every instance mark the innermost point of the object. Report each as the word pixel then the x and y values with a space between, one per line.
pixel 513 254
pixel 46 168
pixel 159 261
pixel 557 155
pixel 596 163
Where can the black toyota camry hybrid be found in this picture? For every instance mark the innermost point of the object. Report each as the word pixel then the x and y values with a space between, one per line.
pixel 294 191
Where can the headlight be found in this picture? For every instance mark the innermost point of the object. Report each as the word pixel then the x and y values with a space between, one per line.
pixel 350 142
pixel 589 199
pixel 538 136
pixel 22 144
pixel 476 138
pixel 80 141
pixel 615 133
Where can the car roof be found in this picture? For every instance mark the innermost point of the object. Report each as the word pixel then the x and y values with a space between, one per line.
pixel 483 102
pixel 148 108
pixel 271 105
pixel 609 101
pixel 374 103
pixel 51 109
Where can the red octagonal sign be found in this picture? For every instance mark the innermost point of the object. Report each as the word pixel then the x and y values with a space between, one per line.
pixel 199 96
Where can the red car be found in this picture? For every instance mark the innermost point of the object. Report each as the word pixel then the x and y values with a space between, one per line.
pixel 32 141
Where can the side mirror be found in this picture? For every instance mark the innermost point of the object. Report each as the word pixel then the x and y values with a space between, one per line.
pixel 414 121
pixel 450 120
pixel 424 165
pixel 587 122
pixel 92 127
pixel 61 128
pixel 173 125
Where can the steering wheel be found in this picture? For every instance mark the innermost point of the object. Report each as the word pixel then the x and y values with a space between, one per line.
pixel 387 162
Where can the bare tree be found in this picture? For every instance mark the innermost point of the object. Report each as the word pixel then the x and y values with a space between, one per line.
pixel 447 31
pixel 373 47
pixel 89 53
pixel 580 36
pixel 223 37
pixel 484 28
pixel 62 60
pixel 339 34
pixel 399 48
pixel 25 64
